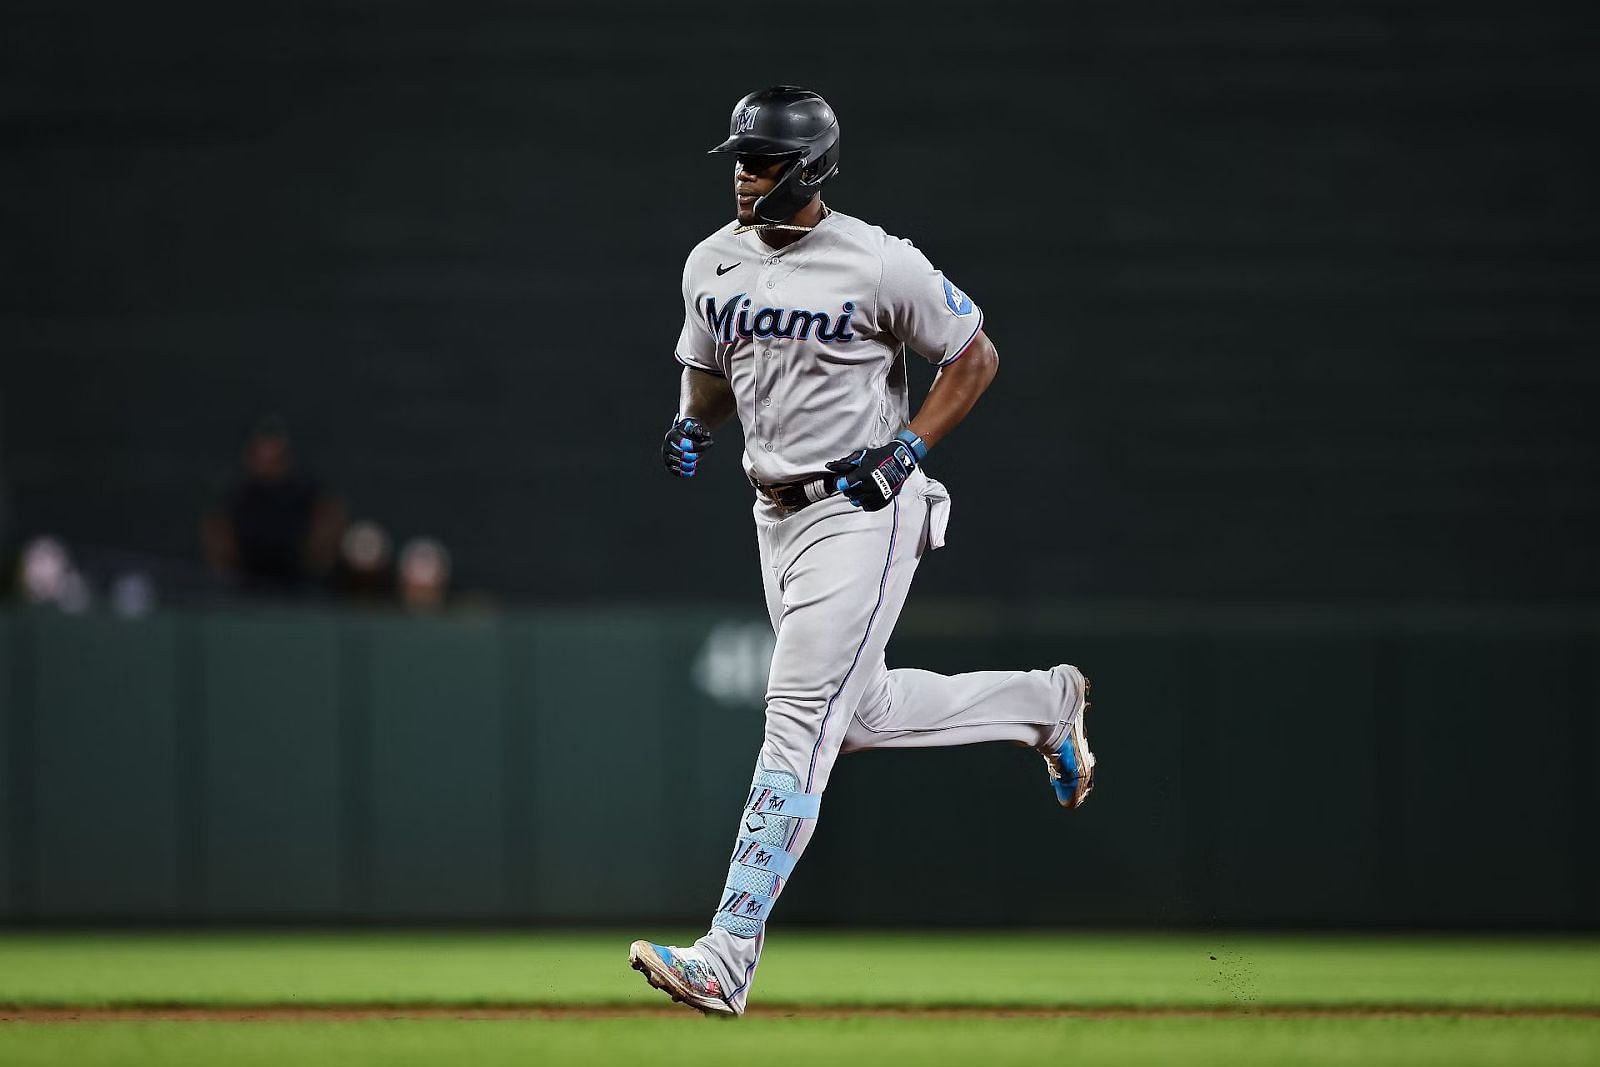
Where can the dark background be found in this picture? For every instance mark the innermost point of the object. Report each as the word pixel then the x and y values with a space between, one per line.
pixel 1292 300
pixel 1293 448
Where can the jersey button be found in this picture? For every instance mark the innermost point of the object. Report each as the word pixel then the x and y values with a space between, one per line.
pixel 767 446
pixel 766 401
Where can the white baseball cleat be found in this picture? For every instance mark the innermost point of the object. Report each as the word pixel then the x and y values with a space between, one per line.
pixel 686 979
pixel 1070 764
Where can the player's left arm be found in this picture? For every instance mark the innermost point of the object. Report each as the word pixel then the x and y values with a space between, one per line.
pixel 922 308
pixel 871 477
pixel 956 390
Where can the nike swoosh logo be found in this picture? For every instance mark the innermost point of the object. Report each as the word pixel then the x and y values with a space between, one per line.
pixel 721 270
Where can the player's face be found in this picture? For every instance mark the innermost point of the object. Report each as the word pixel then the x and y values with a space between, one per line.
pixel 753 178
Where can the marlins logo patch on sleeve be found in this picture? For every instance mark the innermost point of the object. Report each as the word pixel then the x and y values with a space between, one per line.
pixel 958 302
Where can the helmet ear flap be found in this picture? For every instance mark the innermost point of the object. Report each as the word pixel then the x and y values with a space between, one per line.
pixel 824 168
pixel 786 196
pixel 798 183
pixel 819 171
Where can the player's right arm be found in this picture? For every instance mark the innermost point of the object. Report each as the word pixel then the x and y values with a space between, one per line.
pixel 704 402
pixel 705 399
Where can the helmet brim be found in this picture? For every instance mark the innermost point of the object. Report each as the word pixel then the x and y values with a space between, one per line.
pixel 749 145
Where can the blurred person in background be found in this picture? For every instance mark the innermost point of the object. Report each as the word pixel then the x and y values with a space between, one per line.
pixel 366 562
pixel 46 574
pixel 276 529
pixel 424 574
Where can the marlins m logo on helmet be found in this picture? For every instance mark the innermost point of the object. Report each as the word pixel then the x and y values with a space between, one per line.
pixel 747 119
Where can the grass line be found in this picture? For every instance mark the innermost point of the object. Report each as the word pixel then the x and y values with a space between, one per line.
pixel 285 1011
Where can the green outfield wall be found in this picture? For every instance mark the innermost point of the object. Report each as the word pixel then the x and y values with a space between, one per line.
pixel 1259 766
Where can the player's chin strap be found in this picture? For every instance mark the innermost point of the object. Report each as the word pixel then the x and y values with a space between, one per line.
pixel 779 227
pixel 759 859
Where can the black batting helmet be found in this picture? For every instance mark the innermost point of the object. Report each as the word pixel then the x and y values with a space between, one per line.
pixel 788 122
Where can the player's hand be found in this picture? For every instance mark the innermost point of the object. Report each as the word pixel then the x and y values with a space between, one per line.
pixel 871 477
pixel 685 443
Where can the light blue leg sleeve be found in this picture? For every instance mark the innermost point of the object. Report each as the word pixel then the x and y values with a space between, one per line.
pixel 759 860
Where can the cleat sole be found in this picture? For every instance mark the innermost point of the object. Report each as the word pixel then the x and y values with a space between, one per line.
pixel 642 958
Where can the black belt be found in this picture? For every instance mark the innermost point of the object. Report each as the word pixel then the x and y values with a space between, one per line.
pixel 792 496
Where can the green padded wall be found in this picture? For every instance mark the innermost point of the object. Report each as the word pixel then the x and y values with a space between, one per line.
pixel 1361 767
pixel 106 773
pixel 14 704
pixel 271 801
pixel 437 781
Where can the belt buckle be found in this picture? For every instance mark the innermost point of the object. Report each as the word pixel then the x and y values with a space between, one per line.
pixel 766 494
pixel 780 495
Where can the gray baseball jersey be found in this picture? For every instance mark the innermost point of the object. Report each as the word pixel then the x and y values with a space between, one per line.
pixel 812 337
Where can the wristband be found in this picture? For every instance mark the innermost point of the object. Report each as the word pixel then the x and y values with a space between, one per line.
pixel 912 441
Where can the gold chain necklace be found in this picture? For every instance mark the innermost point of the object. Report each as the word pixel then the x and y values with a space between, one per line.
pixel 781 227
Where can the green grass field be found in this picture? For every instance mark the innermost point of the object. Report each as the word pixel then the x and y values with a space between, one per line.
pixel 821 998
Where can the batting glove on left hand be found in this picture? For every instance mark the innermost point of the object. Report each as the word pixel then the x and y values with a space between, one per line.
pixel 871 477
pixel 684 443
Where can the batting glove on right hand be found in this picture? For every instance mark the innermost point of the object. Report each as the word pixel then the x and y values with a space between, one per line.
pixel 683 446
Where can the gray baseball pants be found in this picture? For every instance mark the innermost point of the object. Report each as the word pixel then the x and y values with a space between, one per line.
pixel 836 578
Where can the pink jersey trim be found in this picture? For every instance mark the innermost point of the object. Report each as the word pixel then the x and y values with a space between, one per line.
pixel 963 349
pixel 696 366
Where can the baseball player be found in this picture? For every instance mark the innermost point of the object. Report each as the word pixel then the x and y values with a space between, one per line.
pixel 799 319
